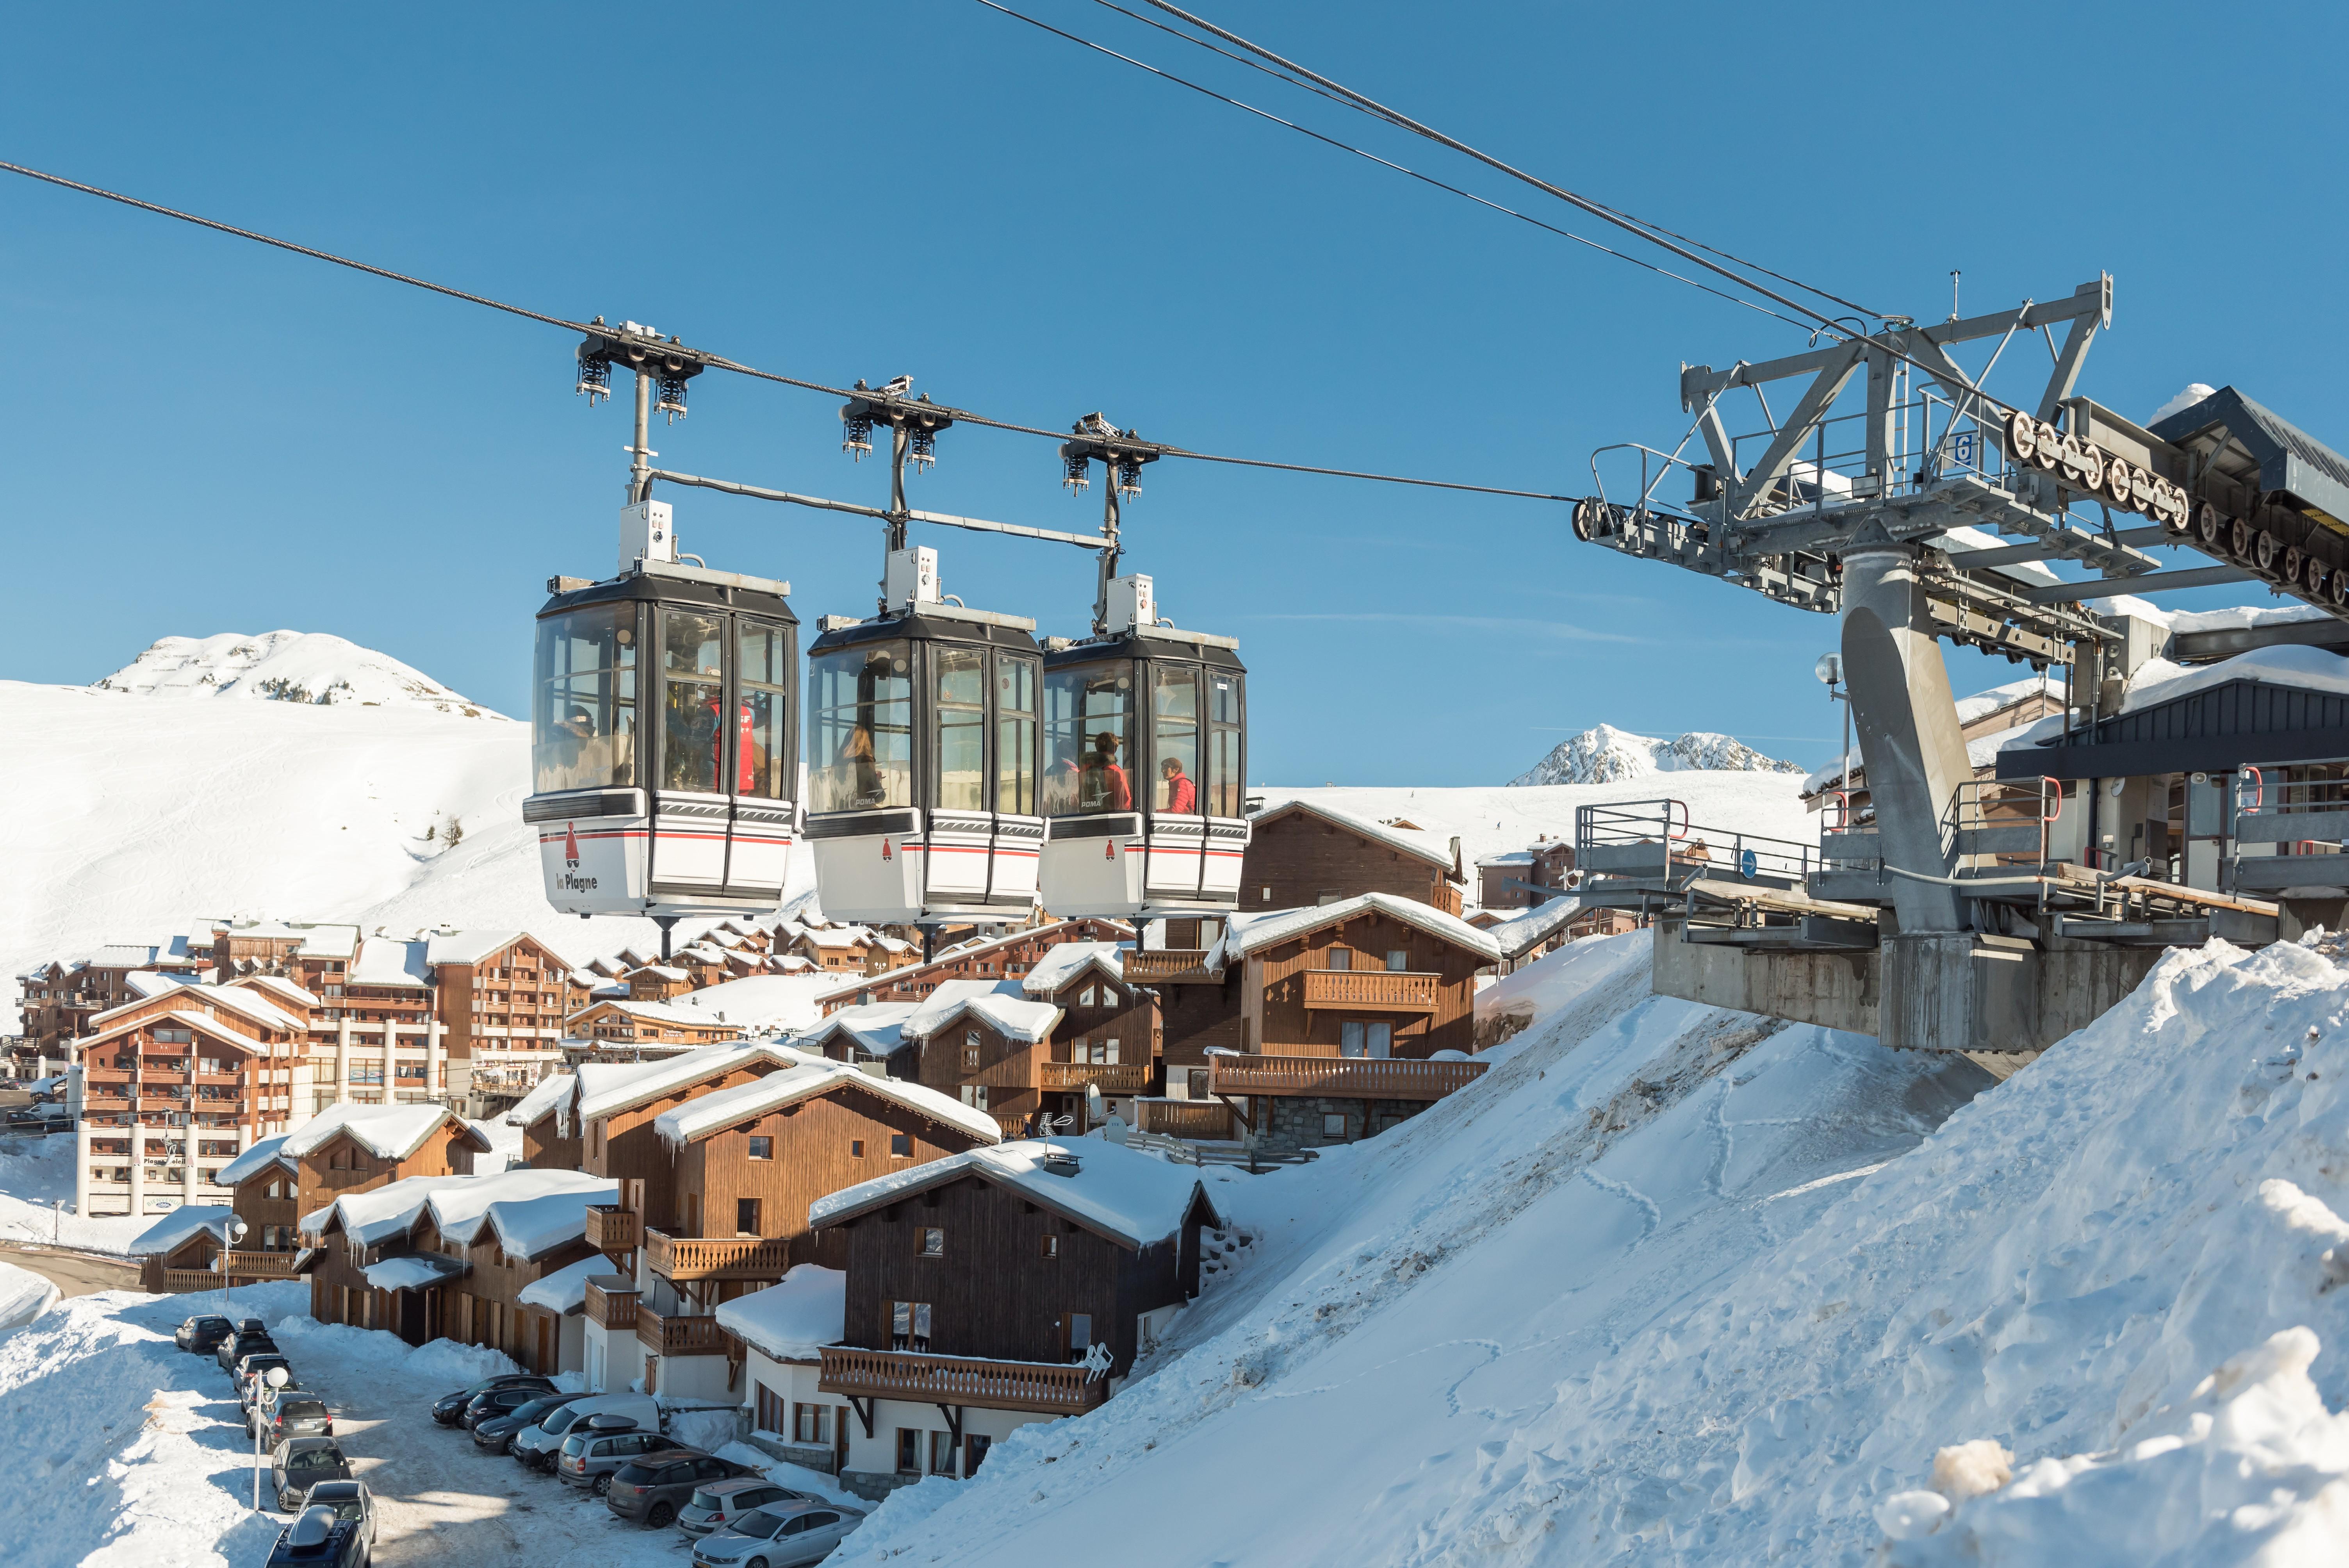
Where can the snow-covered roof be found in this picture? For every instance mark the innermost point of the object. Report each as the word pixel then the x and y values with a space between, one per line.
pixel 467 946
pixel 414 1271
pixel 390 961
pixel 209 1023
pixel 381 1212
pixel 1246 934
pixel 148 983
pixel 664 971
pixel 565 1290
pixel 387 1132
pixel 243 1002
pixel 268 1152
pixel 1064 961
pixel 649 1012
pixel 550 1095
pixel 758 1001
pixel 278 989
pixel 2308 668
pixel 806 1078
pixel 1982 704
pixel 1123 1193
pixel 122 956
pixel 1508 858
pixel 1522 933
pixel 607 1088
pixel 1001 1004
pixel 531 1211
pixel 172 1229
pixel 838 937
pixel 1416 842
pixel 972 948
pixel 792 1321
pixel 316 940
pixel 877 1028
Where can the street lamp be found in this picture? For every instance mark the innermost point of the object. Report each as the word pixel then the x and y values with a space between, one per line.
pixel 236 1233
pixel 1829 669
pixel 276 1379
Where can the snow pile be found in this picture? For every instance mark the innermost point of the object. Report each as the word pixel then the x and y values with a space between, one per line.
pixel 24 1295
pixel 761 1002
pixel 2193 393
pixel 285 666
pixel 1606 754
pixel 37 1186
pixel 1671 1284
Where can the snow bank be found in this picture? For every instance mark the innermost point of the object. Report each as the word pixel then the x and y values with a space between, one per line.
pixel 437 1361
pixel 24 1295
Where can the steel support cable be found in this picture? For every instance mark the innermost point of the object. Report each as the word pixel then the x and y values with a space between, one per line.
pixel 1389 163
pixel 1359 107
pixel 960 416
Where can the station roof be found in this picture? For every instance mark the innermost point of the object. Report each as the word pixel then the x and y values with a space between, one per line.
pixel 2262 450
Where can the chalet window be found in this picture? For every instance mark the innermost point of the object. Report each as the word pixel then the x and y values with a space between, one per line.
pixel 856 1148
pixel 973 1451
pixel 1341 958
pixel 173 1037
pixel 974 1095
pixel 746 1216
pixel 971 1049
pixel 1078 1329
pixel 909 1450
pixel 1085 997
pixel 762 1148
pixel 1333 1125
pixel 942 1453
pixel 901 1146
pixel 909 1326
pixel 1051 1247
pixel 811 1424
pixel 1398 960
pixel 933 1243
pixel 1360 1037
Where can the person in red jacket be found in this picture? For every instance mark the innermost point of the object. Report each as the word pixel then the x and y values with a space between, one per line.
pixel 1102 784
pixel 1182 795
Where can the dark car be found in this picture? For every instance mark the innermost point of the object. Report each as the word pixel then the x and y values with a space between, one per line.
pixel 253 1375
pixel 292 1414
pixel 495 1433
pixel 203 1334
pixel 500 1401
pixel 234 1347
pixel 297 1464
pixel 651 1489
pixel 320 1539
pixel 447 1408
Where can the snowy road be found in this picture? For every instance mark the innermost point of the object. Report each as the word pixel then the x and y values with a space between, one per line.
pixel 74 1273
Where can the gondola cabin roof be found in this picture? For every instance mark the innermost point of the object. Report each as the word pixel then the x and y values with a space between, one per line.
pixel 933 624
pixel 1198 647
pixel 670 583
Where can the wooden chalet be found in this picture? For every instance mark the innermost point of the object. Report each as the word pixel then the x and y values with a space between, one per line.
pixel 627 1022
pixel 1008 956
pixel 1302 852
pixel 995 1289
pixel 1508 880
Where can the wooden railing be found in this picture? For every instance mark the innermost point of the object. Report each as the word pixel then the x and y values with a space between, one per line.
pixel 1186 1118
pixel 611 1308
pixel 1370 990
pixel 1011 1124
pixel 1046 1386
pixel 613 1230
pixel 180 1282
pixel 679 1335
pixel 257 1266
pixel 716 1257
pixel 1342 1078
pixel 1169 966
pixel 1114 1077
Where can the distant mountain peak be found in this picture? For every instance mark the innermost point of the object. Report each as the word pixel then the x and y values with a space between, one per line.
pixel 1605 754
pixel 310 667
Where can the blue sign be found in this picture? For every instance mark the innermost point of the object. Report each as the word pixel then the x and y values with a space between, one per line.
pixel 1961 447
pixel 1745 864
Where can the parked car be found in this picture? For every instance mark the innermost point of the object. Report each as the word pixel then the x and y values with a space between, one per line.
pixel 252 1375
pixel 719 1503
pixel 351 1501
pixel 297 1464
pixel 203 1334
pixel 778 1537
pixel 495 1433
pixel 292 1413
pixel 320 1539
pixel 449 1407
pixel 236 1346
pixel 498 1401
pixel 540 1447
pixel 651 1488
pixel 590 1457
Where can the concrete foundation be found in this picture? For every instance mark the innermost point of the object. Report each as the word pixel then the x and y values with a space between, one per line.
pixel 1292 1123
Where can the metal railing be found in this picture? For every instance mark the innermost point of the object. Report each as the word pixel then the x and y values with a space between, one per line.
pixel 1040 1385
pixel 716 1257
pixel 1370 991
pixel 2007 819
pixel 1343 1078
pixel 1655 841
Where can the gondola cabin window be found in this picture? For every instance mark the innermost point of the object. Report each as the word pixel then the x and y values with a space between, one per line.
pixel 692 686
pixel 1227 735
pixel 1088 740
pixel 1175 742
pixel 960 688
pixel 863 713
pixel 583 721
pixel 1015 736
pixel 765 758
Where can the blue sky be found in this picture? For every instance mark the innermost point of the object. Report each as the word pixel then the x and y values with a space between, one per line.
pixel 204 436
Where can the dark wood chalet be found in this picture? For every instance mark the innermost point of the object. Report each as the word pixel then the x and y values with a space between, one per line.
pixel 1303 853
pixel 1006 957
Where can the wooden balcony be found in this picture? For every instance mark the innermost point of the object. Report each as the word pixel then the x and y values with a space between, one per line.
pixel 679 1335
pixel 1113 1078
pixel 180 1282
pixel 1047 1388
pixel 1171 966
pixel 1208 1119
pixel 613 1305
pixel 1011 1124
pixel 614 1230
pixel 1370 991
pixel 1340 1078
pixel 716 1257
pixel 248 1266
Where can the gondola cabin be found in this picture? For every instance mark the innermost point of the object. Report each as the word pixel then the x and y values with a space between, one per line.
pixel 664 739
pixel 1145 750
pixel 923 757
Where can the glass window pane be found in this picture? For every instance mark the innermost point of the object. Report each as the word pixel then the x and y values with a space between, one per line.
pixel 583 712
pixel 862 710
pixel 1174 739
pixel 1088 735
pixel 1015 736
pixel 1226 737
pixel 766 759
pixel 959 683
pixel 692 655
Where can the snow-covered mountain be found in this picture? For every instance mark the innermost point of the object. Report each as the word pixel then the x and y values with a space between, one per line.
pixel 1605 754
pixel 311 668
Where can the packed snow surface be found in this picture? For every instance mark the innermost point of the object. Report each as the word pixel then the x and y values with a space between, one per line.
pixel 1672 1285
pixel 1606 754
pixel 760 1002
pixel 24 1295
pixel 311 668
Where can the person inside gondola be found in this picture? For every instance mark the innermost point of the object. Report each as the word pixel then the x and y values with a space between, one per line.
pixel 1101 784
pixel 694 740
pixel 857 762
pixel 1182 795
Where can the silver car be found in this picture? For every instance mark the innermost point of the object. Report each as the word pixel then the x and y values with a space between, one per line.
pixel 719 1503
pixel 781 1536
pixel 349 1500
pixel 590 1457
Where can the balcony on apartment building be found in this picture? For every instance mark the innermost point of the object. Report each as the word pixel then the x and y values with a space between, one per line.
pixel 1111 1078
pixel 1170 967
pixel 1050 1388
pixel 612 1229
pixel 1342 1078
pixel 1370 991
pixel 612 1301
pixel 687 1259
pixel 256 1265
pixel 1206 1120
pixel 680 1333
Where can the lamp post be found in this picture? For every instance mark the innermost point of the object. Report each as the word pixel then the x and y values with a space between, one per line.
pixel 1829 669
pixel 236 1233
pixel 275 1377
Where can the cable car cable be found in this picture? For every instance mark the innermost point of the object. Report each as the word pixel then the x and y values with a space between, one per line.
pixel 960 415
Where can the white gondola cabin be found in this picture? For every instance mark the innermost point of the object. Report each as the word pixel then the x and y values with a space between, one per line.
pixel 646 798
pixel 923 758
pixel 1145 751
